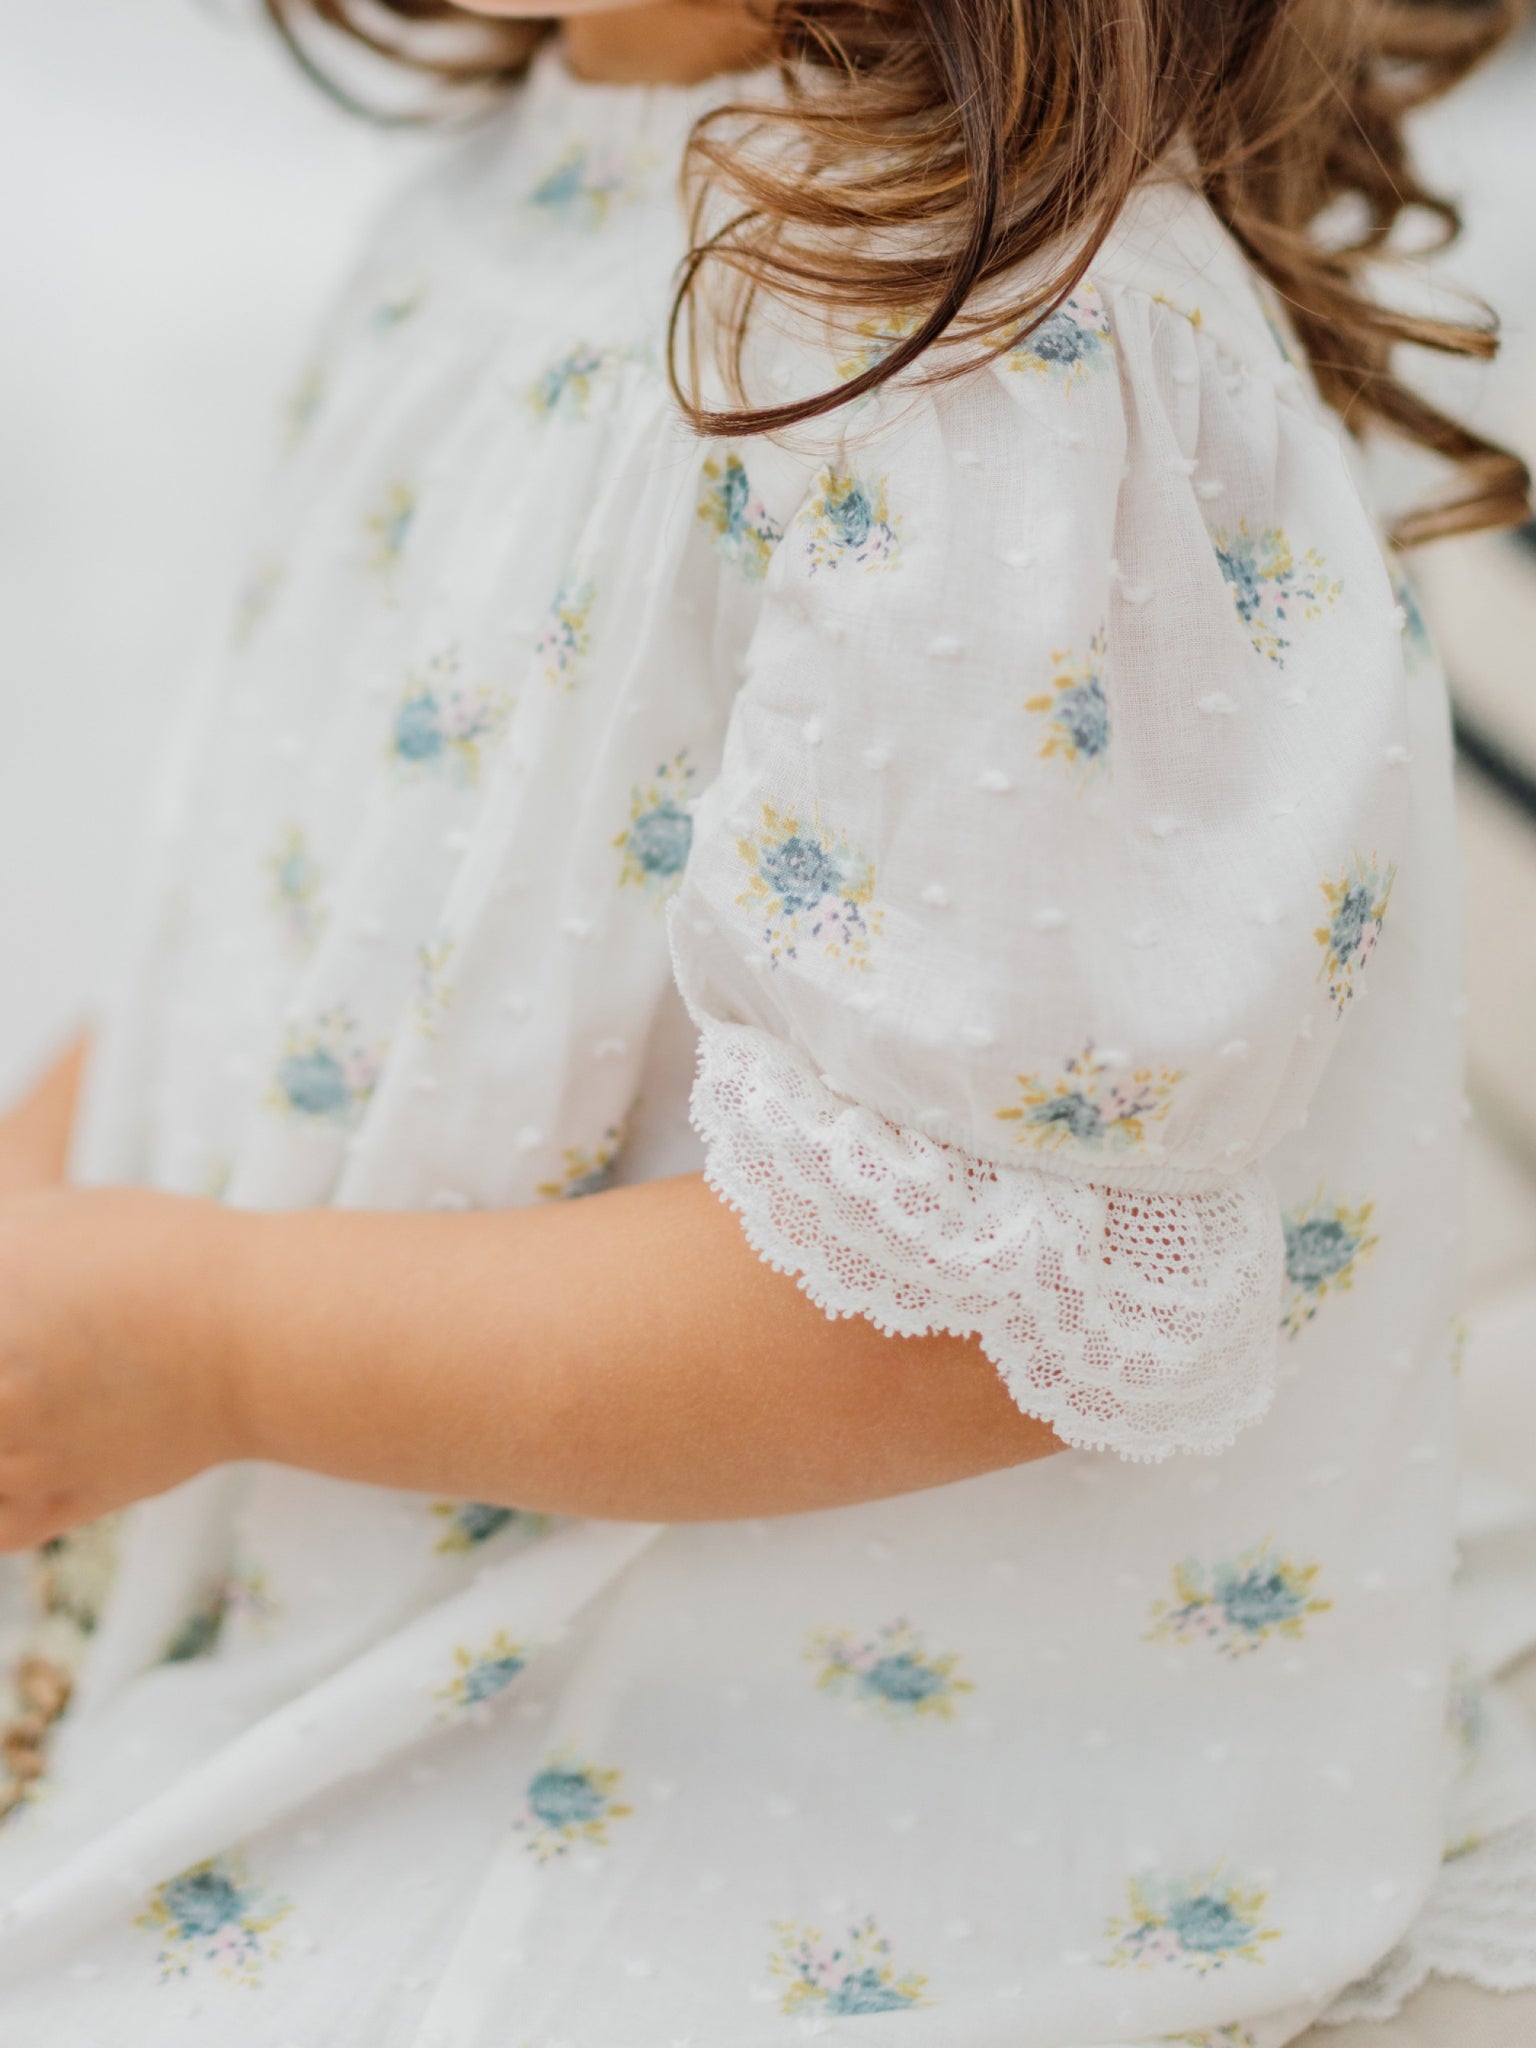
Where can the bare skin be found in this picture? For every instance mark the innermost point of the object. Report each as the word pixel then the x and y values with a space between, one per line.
pixel 624 1356
pixel 648 42
pixel 34 1138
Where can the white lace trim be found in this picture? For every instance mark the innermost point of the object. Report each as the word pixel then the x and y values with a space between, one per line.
pixel 1138 1323
pixel 1479 1923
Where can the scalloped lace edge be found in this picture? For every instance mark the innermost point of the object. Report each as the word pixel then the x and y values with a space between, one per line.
pixel 1134 1323
pixel 1478 1924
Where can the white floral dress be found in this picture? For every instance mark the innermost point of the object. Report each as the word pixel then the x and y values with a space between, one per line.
pixel 1030 802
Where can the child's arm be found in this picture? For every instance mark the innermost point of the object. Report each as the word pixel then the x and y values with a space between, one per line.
pixel 34 1136
pixel 626 1356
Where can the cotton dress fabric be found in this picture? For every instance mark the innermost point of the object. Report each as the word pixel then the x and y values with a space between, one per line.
pixel 1017 812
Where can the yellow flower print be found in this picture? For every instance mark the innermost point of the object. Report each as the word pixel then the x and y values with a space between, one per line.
pixel 659 836
pixel 1193 314
pixel 474 1522
pixel 390 525
pixel 586 1173
pixel 215 1917
pixel 326 1072
pixel 1239 1604
pixel 806 883
pixel 587 183
pixel 1199 1924
pixel 849 523
pixel 842 1977
pixel 74 1573
pixel 568 1803
pixel 297 898
pixel 1325 1244
pixel 565 639
pixel 746 533
pixel 434 983
pixel 1070 345
pixel 1272 590
pixel 441 726
pixel 874 340
pixel 482 1675
pixel 566 386
pixel 1076 710
pixel 889 1671
pixel 1357 907
pixel 1090 1107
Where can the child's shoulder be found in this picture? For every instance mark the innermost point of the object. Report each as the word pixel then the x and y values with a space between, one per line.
pixel 1168 309
pixel 1170 250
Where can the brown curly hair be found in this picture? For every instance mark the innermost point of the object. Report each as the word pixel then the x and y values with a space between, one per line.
pixel 1006 136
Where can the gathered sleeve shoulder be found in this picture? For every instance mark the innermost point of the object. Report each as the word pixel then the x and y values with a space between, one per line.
pixel 1055 829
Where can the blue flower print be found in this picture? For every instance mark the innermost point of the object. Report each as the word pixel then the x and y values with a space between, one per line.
pixel 325 1073
pixel 441 727
pixel 1239 1605
pixel 586 184
pixel 874 341
pixel 240 1596
pixel 565 640
pixel 199 1632
pixel 472 1523
pixel 1357 907
pixel 393 312
pixel 315 1084
pixel 586 1172
pixel 482 1675
pixel 806 883
pixel 1325 1242
pixel 656 841
pixel 890 1672
pixel 1070 344
pixel 842 1979
pixel 568 1803
pixel 1199 1924
pixel 297 891
pixel 1076 710
pixel 746 533
pixel 1271 589
pixel 567 386
pixel 215 1917
pixel 390 525
pixel 1089 1107
pixel 849 523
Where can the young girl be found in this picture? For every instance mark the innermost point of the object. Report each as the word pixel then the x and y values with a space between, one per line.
pixel 925 665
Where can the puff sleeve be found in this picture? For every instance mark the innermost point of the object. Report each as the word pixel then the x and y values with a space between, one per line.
pixel 1053 836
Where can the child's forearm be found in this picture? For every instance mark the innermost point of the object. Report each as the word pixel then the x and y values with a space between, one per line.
pixel 626 1356
pixel 35 1135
